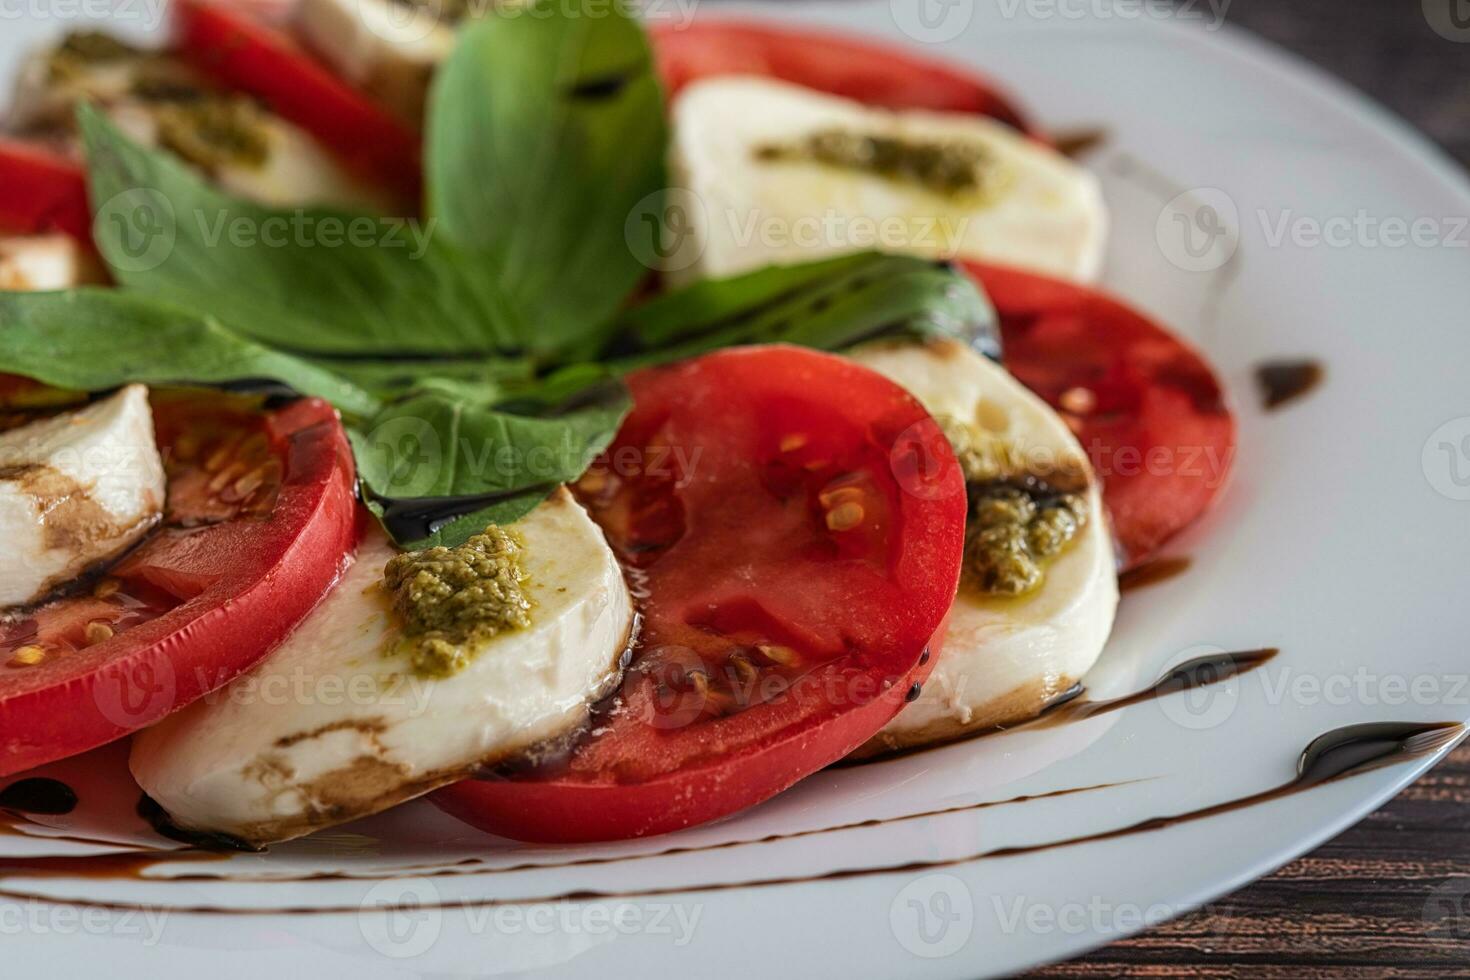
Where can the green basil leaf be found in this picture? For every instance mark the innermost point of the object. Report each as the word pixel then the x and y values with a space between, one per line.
pixel 312 280
pixel 830 305
pixel 481 381
pixel 437 471
pixel 546 132
pixel 95 339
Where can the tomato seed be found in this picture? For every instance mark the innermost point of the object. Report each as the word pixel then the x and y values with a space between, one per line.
pixel 97 632
pixel 842 495
pixel 219 457
pixel 226 476
pixel 744 670
pixel 28 656
pixel 779 654
pixel 1078 401
pixel 245 486
pixel 844 517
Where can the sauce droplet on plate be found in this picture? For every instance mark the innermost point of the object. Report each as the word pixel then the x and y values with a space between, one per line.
pixel 39 795
pixel 1281 382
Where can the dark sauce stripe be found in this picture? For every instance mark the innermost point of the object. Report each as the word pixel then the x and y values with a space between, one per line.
pixel 1339 754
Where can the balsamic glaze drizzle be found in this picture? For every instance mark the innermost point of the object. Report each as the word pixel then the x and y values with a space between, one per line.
pixel 1071 706
pixel 1281 382
pixel 1336 755
pixel 1340 753
pixel 1152 572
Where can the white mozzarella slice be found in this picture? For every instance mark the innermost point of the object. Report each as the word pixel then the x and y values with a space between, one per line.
pixel 75 490
pixel 42 101
pixel 42 262
pixel 1003 659
pixel 1040 212
pixel 331 727
pixel 387 49
pixel 296 170
pixel 299 172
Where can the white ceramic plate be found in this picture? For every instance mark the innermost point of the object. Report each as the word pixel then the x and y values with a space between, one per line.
pixel 1341 541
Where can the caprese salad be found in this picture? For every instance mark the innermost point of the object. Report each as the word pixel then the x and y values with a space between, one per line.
pixel 580 493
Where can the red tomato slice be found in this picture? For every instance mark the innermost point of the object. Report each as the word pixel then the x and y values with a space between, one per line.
pixel 42 192
pixel 793 524
pixel 856 69
pixel 249 54
pixel 260 515
pixel 1146 406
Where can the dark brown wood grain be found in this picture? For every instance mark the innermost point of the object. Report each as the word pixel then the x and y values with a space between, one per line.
pixel 1388 898
pixel 1386 48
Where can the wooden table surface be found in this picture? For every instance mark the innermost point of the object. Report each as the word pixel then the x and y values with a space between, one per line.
pixel 1390 897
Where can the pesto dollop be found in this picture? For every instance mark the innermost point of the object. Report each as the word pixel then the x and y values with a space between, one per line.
pixel 207 126
pixel 214 131
pixel 1014 531
pixel 92 47
pixel 949 168
pixel 1020 520
pixel 451 600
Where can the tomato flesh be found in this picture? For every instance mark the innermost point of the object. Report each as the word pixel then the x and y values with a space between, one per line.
pixel 793 524
pixel 42 192
pixel 1146 406
pixel 855 69
pixel 245 52
pixel 260 516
